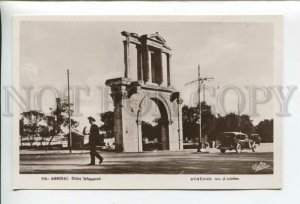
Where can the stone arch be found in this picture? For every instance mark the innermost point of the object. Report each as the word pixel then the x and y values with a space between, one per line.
pixel 153 82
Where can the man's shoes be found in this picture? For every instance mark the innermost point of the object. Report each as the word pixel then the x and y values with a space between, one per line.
pixel 101 160
pixel 91 164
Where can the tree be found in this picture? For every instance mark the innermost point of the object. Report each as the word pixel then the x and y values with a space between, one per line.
pixel 59 119
pixel 234 123
pixel 21 130
pixel 35 123
pixel 108 123
pixel 43 133
pixel 31 125
pixel 208 122
pixel 190 119
pixel 52 129
pixel 265 130
pixel 246 125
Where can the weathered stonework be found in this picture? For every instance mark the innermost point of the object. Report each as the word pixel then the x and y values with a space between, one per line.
pixel 130 96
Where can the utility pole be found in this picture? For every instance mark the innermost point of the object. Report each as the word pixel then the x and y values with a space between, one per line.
pixel 69 112
pixel 200 81
pixel 200 111
pixel 203 92
pixel 239 116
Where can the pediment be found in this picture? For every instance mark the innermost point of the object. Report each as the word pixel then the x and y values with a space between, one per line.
pixel 157 37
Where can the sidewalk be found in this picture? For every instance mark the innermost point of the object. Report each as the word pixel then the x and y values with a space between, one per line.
pixel 264 147
pixel 63 151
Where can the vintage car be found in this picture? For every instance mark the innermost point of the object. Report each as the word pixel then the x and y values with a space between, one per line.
pixel 235 141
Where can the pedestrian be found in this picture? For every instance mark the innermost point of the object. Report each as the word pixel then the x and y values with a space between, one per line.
pixel 93 139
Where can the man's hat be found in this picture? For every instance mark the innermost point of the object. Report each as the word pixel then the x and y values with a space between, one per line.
pixel 91 118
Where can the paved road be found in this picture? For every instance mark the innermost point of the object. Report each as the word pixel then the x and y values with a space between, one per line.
pixel 184 162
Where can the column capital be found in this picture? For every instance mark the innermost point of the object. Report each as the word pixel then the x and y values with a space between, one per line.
pixel 179 101
pixel 176 96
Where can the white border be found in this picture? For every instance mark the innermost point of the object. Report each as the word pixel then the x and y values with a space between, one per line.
pixel 150 181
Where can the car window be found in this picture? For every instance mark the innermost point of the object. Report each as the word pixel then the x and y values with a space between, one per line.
pixel 228 134
pixel 240 137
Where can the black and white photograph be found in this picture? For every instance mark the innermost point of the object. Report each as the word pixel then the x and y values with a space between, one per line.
pixel 102 100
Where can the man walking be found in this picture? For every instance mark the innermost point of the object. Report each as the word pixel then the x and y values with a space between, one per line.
pixel 93 138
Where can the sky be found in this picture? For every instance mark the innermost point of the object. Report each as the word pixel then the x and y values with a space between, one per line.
pixel 239 54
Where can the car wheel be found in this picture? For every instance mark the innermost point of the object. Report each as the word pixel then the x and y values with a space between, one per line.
pixel 238 148
pixel 223 150
pixel 253 148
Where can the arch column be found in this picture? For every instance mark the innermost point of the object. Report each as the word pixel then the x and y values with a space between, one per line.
pixel 139 135
pixel 168 68
pixel 165 135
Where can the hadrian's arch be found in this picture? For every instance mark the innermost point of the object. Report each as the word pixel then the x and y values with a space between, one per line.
pixel 149 84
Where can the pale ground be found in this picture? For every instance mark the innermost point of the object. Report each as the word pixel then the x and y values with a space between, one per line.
pixel 157 162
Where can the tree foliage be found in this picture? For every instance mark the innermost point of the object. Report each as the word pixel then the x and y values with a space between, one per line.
pixel 58 120
pixel 265 130
pixel 190 120
pixel 31 124
pixel 34 123
pixel 150 131
pixel 108 123
pixel 59 117
pixel 234 123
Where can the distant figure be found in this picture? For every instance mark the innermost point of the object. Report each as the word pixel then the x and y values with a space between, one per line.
pixel 93 138
pixel 145 140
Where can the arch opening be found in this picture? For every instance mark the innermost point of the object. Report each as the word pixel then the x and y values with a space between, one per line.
pixel 155 126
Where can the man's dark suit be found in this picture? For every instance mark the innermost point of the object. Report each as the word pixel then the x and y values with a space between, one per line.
pixel 93 139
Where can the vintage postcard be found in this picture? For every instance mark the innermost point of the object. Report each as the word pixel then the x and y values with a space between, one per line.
pixel 147 102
